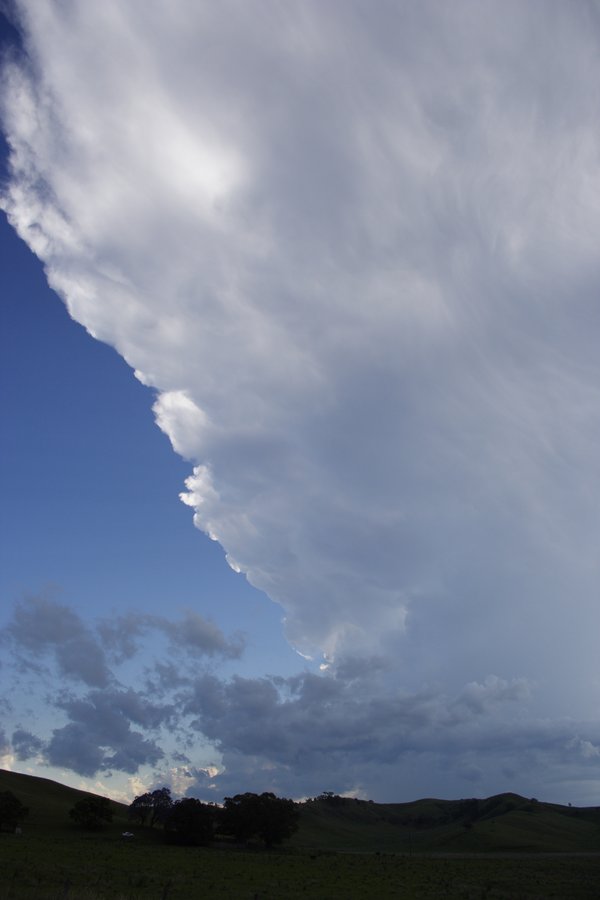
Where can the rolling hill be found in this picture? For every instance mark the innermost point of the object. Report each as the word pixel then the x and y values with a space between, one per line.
pixel 49 802
pixel 506 823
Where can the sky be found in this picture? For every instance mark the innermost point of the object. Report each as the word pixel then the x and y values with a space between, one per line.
pixel 321 279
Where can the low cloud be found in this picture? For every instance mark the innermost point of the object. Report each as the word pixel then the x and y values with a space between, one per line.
pixel 112 726
pixel 199 636
pixel 350 728
pixel 310 733
pixel 99 736
pixel 25 744
pixel 318 725
pixel 42 627
pixel 193 634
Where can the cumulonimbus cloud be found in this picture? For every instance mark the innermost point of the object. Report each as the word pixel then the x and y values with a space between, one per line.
pixel 353 249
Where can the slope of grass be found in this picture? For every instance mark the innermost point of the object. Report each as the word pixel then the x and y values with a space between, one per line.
pixel 423 849
pixel 49 802
pixel 505 823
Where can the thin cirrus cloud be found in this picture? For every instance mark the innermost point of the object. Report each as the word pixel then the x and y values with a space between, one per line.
pixel 352 248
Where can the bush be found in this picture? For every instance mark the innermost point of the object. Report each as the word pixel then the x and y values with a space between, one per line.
pixel 190 821
pixel 271 818
pixel 12 811
pixel 92 813
pixel 156 804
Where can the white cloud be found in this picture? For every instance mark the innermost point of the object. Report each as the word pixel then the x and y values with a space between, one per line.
pixel 352 248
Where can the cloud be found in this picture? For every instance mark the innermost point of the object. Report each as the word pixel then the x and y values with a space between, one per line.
pixel 477 697
pixel 586 749
pixel 351 728
pixel 118 724
pixel 41 626
pixel 73 747
pixel 193 634
pixel 197 635
pixel 309 733
pixel 302 721
pixel 99 735
pixel 372 336
pixel 353 251
pixel 25 744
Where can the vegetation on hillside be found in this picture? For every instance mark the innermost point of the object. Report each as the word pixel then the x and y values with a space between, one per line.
pixel 503 823
pixel 244 817
pixel 92 813
pixel 428 848
pixel 12 811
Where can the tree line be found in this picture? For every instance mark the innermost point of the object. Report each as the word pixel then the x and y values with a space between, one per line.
pixel 243 818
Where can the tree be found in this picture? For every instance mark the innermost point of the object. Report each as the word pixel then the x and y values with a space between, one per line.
pixel 271 818
pixel 155 804
pixel 12 811
pixel 92 812
pixel 140 808
pixel 189 821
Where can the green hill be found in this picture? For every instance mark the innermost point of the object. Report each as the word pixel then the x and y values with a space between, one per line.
pixel 49 802
pixel 505 823
pixel 504 846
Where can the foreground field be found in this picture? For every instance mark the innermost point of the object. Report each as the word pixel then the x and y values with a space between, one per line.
pixel 81 867
pixel 343 849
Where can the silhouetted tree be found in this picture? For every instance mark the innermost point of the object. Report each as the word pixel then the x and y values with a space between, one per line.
pixel 189 821
pixel 140 808
pixel 92 812
pixel 155 804
pixel 12 811
pixel 271 818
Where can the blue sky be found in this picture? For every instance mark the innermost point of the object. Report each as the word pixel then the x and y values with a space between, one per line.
pixel 87 521
pixel 84 513
pixel 342 256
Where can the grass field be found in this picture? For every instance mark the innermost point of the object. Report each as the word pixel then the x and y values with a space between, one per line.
pixel 332 855
pixel 97 868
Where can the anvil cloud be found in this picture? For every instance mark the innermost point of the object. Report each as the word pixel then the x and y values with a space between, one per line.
pixel 353 248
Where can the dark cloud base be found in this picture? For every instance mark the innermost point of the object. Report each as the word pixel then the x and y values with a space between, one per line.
pixel 349 729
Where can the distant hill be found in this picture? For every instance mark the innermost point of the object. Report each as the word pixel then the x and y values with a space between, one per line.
pixel 505 823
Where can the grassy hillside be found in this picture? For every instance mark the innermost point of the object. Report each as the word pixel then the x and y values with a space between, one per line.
pixel 49 802
pixel 426 849
pixel 505 823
